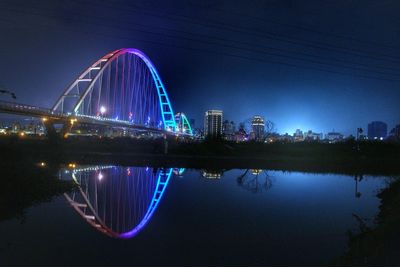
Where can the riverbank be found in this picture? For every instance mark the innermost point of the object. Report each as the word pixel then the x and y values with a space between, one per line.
pixel 379 245
pixel 24 183
pixel 370 158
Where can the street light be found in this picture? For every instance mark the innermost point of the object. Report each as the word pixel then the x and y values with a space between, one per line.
pixel 102 110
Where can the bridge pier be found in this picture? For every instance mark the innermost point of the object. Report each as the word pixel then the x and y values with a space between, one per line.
pixel 52 133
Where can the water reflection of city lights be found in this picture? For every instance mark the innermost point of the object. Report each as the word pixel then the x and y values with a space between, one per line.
pixel 179 171
pixel 212 174
pixel 256 171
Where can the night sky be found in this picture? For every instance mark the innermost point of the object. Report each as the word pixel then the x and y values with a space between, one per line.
pixel 319 65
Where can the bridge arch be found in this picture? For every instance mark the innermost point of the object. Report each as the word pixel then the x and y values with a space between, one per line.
pixel 124 85
pixel 182 124
pixel 118 201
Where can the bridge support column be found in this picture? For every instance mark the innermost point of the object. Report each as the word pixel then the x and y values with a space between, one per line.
pixel 50 129
pixel 52 132
pixel 66 128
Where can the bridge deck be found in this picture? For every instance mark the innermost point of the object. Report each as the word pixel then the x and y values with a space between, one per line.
pixel 33 111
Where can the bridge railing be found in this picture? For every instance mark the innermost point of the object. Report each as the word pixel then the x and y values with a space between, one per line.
pixel 23 109
pixel 28 109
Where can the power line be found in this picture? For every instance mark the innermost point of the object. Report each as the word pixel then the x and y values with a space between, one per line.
pixel 303 43
pixel 241 48
pixel 223 53
pixel 302 28
pixel 254 32
pixel 252 45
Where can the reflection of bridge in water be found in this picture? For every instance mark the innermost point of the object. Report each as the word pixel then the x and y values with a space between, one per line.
pixel 117 201
pixel 121 90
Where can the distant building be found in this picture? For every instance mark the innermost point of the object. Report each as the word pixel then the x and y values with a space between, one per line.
pixel 228 130
pixel 213 123
pixel 298 136
pixel 272 137
pixel 241 135
pixel 198 131
pixel 16 127
pixel 334 137
pixel 395 132
pixel 30 129
pixel 311 136
pixel 362 137
pixel 377 130
pixel 287 138
pixel 258 128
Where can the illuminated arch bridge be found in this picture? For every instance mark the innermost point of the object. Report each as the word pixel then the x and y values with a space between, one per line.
pixel 117 201
pixel 121 89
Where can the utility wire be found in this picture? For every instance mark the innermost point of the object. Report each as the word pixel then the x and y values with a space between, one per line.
pixel 228 46
pixel 214 52
pixel 293 26
pixel 266 49
pixel 249 31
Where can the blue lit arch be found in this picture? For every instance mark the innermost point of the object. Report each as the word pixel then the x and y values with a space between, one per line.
pixel 79 89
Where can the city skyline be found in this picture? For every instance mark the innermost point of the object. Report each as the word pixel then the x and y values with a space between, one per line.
pixel 7 120
pixel 320 81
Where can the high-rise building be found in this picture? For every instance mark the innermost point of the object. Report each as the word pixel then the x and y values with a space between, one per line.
pixel 377 130
pixel 258 128
pixel 213 123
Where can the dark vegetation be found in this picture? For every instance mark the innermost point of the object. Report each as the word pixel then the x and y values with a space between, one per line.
pixel 371 158
pixel 380 245
pixel 25 183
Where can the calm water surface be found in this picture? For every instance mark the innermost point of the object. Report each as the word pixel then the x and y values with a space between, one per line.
pixel 146 216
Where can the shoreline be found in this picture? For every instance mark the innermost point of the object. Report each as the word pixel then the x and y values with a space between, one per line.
pixel 374 159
